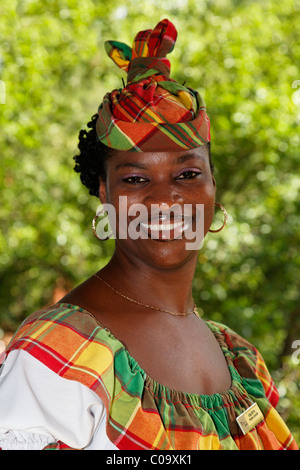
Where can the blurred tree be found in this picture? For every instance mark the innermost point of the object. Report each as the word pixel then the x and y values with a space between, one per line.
pixel 244 58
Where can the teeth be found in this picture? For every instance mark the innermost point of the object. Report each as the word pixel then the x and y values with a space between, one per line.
pixel 162 227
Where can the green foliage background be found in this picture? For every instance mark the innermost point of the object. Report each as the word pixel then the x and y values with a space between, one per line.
pixel 243 56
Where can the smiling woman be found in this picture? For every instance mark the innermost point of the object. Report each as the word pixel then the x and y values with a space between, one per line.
pixel 162 180
pixel 124 361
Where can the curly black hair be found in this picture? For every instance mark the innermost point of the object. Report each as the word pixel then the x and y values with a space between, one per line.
pixel 91 161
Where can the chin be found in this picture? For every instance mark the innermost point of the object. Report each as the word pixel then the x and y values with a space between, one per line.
pixel 161 253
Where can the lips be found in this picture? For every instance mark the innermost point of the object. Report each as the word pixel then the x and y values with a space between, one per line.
pixel 165 229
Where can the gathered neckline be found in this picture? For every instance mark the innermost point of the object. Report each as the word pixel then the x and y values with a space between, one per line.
pixel 169 393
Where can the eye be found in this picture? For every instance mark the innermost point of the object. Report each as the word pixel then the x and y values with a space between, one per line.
pixel 135 179
pixel 188 174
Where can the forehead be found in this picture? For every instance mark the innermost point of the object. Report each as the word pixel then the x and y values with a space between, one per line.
pixel 147 160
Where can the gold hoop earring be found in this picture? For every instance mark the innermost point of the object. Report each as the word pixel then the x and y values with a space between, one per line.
pixel 225 218
pixel 94 226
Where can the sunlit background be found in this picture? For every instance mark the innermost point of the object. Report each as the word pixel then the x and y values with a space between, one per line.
pixel 243 56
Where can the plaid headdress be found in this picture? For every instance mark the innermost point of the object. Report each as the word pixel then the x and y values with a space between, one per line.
pixel 152 112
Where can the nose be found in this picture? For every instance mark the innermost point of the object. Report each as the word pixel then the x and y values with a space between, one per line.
pixel 164 195
pixel 164 201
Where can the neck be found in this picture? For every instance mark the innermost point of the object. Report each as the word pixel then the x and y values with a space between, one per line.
pixel 168 288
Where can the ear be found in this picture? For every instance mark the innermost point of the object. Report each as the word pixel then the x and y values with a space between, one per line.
pixel 102 191
pixel 214 182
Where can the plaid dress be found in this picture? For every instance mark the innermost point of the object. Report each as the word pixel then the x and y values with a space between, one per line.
pixel 142 414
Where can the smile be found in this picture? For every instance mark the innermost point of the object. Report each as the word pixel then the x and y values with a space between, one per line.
pixel 166 230
pixel 163 227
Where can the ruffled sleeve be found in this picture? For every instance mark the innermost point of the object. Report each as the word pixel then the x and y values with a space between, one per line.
pixel 23 440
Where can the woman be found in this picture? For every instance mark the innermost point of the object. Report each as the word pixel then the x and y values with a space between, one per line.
pixel 123 361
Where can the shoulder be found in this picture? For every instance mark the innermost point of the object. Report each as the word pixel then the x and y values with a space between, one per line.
pixel 67 339
pixel 70 342
pixel 236 343
pixel 50 321
pixel 245 356
pixel 248 361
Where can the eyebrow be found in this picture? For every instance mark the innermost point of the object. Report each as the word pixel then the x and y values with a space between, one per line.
pixel 131 165
pixel 141 166
pixel 188 156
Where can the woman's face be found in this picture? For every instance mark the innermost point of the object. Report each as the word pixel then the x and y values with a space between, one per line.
pixel 156 181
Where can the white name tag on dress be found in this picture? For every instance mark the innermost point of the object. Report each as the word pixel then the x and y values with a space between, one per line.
pixel 250 418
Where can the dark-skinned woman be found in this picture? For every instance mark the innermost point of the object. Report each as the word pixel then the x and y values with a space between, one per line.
pixel 124 361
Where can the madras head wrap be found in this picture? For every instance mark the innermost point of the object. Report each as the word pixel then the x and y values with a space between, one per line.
pixel 152 112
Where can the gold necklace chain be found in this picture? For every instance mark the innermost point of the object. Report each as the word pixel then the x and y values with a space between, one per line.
pixel 145 305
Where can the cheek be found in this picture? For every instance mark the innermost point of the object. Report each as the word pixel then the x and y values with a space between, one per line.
pixel 121 204
pixel 208 199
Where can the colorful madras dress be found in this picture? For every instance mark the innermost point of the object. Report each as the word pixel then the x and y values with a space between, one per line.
pixel 67 382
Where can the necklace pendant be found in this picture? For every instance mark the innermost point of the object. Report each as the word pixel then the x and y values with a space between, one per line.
pixel 250 418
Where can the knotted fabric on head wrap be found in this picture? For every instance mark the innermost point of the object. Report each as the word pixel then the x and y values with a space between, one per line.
pixel 152 112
